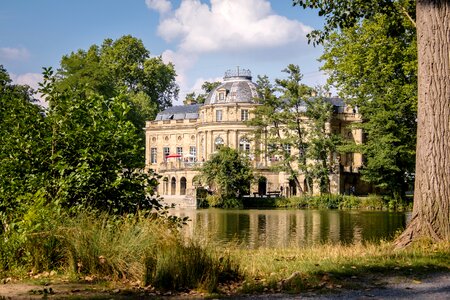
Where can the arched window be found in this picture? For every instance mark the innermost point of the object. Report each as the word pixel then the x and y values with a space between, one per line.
pixel 173 186
pixel 244 145
pixel 292 187
pixel 165 186
pixel 218 142
pixel 183 186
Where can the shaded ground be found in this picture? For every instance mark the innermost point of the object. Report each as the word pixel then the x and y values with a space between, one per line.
pixel 431 286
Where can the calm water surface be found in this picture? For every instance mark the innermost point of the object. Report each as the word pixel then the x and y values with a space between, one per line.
pixel 283 228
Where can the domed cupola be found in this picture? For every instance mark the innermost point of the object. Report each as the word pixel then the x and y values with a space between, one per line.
pixel 236 88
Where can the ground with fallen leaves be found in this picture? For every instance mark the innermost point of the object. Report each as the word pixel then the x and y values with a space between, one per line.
pixel 428 286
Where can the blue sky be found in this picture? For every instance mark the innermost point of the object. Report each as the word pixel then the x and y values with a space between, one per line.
pixel 202 38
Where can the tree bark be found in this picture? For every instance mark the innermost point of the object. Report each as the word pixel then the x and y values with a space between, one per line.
pixel 431 210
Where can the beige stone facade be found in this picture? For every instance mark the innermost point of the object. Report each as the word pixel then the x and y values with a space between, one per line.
pixel 181 138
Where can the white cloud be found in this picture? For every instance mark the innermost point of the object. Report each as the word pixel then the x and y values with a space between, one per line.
pixel 229 25
pixel 32 80
pixel 197 86
pixel 224 27
pixel 182 63
pixel 161 6
pixel 14 53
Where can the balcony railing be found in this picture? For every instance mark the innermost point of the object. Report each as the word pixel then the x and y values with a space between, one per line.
pixel 179 165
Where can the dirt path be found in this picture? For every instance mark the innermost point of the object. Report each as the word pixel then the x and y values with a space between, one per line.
pixel 434 287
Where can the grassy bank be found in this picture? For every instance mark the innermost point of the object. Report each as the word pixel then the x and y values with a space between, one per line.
pixel 329 201
pixel 334 266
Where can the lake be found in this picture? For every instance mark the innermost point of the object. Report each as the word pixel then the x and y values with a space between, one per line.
pixel 255 228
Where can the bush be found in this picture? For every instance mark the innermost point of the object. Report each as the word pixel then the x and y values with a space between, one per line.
pixel 330 201
pixel 220 202
pixel 372 202
pixel 31 241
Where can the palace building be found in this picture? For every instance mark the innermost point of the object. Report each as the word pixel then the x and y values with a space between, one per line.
pixel 181 138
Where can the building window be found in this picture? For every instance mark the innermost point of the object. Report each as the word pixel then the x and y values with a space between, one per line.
pixel 218 115
pixel 244 145
pixel 193 151
pixel 221 96
pixel 166 152
pixel 244 114
pixel 349 159
pixel 218 142
pixel 180 151
pixel 153 155
pixel 287 148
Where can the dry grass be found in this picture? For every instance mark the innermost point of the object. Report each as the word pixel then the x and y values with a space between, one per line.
pixel 297 269
pixel 143 250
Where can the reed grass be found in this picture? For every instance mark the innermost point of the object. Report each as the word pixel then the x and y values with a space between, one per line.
pixel 138 249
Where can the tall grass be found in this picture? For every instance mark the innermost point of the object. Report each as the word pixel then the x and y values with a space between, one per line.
pixel 140 249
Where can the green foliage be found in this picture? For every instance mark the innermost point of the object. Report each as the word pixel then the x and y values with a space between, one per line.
pixel 371 55
pixel 295 127
pixel 24 136
pixel 228 173
pixel 347 13
pixel 279 121
pixel 321 141
pixel 122 66
pixel 84 152
pixel 330 201
pixel 377 73
pixel 95 152
pixel 220 202
pixel 30 240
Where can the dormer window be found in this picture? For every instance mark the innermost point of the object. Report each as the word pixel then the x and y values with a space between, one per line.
pixel 221 96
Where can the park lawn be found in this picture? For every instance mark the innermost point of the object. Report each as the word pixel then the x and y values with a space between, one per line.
pixel 329 266
pixel 320 269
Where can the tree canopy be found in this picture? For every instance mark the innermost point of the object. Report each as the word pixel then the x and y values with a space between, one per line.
pixel 24 136
pixel 431 212
pixel 228 174
pixel 377 73
pixel 83 152
pixel 121 66
pixel 293 125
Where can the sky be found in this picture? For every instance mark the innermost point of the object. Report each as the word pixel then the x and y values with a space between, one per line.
pixel 202 38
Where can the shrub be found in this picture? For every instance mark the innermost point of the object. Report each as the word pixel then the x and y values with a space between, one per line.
pixel 330 201
pixel 372 202
pixel 220 202
pixel 32 241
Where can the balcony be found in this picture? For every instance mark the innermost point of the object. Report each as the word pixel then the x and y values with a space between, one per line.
pixel 179 165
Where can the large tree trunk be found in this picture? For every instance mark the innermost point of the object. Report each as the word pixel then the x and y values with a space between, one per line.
pixel 431 211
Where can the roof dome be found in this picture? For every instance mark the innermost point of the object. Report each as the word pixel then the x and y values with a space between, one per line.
pixel 236 88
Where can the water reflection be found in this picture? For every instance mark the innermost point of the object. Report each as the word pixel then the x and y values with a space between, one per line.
pixel 283 228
